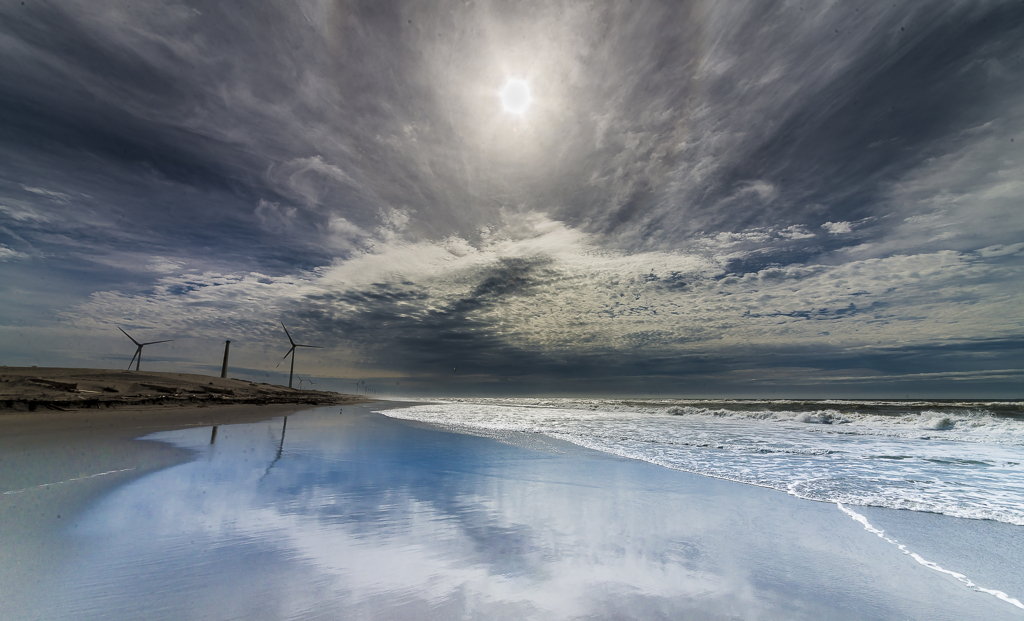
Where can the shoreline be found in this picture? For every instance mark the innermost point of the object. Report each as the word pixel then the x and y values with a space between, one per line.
pixel 552 522
pixel 381 448
pixel 945 544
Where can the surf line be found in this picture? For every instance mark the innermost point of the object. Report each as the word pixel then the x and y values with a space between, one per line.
pixel 82 478
pixel 930 565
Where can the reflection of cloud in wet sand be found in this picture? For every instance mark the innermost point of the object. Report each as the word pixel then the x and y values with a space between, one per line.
pixel 471 548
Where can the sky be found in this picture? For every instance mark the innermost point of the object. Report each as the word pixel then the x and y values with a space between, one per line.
pixel 803 199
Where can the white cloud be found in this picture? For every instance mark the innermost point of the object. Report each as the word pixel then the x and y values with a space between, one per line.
pixel 797 231
pixel 60 197
pixel 837 228
pixel 1001 251
pixel 342 234
pixel 163 265
pixel 20 211
pixel 6 254
pixel 310 179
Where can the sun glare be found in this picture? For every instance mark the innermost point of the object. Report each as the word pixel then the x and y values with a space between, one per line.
pixel 516 96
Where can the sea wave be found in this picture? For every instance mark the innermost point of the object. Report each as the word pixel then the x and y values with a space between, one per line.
pixel 987 422
pixel 927 457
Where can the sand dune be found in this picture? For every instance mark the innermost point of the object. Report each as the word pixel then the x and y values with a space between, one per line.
pixel 35 388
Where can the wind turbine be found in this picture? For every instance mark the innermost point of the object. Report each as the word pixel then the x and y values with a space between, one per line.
pixel 300 382
pixel 137 358
pixel 291 352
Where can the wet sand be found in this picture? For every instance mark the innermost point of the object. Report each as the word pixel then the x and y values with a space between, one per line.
pixel 53 464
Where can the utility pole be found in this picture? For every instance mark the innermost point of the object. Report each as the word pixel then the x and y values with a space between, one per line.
pixel 224 368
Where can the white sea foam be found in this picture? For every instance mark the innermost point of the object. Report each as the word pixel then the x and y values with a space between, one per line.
pixel 78 478
pixel 962 459
pixel 929 564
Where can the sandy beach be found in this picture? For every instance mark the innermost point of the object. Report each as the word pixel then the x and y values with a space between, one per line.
pixel 54 464
pixel 347 513
pixel 67 436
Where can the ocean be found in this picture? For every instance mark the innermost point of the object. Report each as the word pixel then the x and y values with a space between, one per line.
pixel 959 458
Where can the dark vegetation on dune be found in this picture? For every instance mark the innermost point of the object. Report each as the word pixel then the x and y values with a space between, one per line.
pixel 30 389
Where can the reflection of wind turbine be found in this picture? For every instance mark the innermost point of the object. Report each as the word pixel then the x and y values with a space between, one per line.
pixel 280 450
pixel 291 352
pixel 137 358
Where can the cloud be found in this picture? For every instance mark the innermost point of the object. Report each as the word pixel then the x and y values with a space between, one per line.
pixel 6 254
pixel 1001 250
pixel 837 228
pixel 162 265
pixel 796 231
pixel 275 218
pixel 21 212
pixel 558 301
pixel 50 194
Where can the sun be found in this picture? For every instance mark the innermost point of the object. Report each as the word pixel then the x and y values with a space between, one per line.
pixel 515 97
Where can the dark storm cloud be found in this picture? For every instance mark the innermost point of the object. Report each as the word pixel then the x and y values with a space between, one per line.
pixel 905 92
pixel 692 176
pixel 902 102
pixel 428 336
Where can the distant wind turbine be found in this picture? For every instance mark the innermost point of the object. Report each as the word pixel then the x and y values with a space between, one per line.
pixel 137 358
pixel 300 382
pixel 291 352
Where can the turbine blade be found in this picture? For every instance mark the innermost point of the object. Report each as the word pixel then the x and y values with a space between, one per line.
pixel 284 358
pixel 128 335
pixel 155 342
pixel 313 346
pixel 289 335
pixel 133 358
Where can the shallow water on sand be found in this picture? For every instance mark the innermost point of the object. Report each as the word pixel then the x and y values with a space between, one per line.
pixel 353 515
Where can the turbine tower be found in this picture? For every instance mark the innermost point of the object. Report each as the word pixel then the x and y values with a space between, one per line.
pixel 137 358
pixel 291 352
